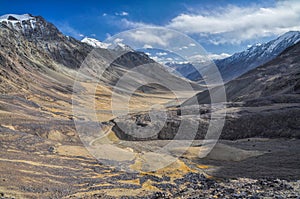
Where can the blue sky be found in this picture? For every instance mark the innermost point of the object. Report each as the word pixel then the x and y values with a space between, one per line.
pixel 220 26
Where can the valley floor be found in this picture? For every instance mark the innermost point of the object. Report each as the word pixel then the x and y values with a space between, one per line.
pixel 33 167
pixel 41 156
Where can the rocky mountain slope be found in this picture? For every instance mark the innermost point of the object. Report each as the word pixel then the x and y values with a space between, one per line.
pixel 38 67
pixel 275 80
pixel 256 55
pixel 31 42
pixel 119 46
pixel 95 43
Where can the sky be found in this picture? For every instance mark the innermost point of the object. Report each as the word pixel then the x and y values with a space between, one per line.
pixel 221 27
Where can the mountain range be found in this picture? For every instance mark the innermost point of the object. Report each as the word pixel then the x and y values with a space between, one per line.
pixel 263 102
pixel 229 67
pixel 239 63
pixel 256 55
pixel 56 92
pixel 36 56
pixel 39 44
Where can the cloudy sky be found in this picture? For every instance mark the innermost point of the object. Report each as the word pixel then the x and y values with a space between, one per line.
pixel 222 27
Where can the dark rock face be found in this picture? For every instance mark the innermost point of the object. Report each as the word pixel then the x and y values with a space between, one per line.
pixel 132 59
pixel 12 18
pixel 276 123
pixel 141 127
pixel 268 122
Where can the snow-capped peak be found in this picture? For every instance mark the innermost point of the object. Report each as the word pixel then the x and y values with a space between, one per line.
pixel 95 43
pixel 288 35
pixel 270 49
pixel 32 27
pixel 15 17
pixel 19 22
pixel 256 55
pixel 117 46
pixel 287 39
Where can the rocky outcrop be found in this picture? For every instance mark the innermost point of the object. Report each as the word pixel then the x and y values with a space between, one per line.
pixel 275 121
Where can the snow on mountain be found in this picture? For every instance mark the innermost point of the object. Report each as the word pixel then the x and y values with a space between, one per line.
pixel 15 18
pixel 17 21
pixel 162 56
pixel 179 65
pixel 32 27
pixel 172 61
pixel 256 55
pixel 284 41
pixel 95 43
pixel 117 46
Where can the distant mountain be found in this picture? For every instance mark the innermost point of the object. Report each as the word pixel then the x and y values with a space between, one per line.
pixel 95 43
pixel 185 69
pixel 233 66
pixel 173 62
pixel 98 44
pixel 277 81
pixel 162 55
pixel 256 55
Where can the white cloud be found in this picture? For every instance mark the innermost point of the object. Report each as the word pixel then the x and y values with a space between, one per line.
pixel 162 59
pixel 207 58
pixel 231 24
pixel 257 44
pixel 151 38
pixel 234 24
pixel 123 13
pixel 192 44
pixel 118 40
pixel 169 59
pixel 147 46
pixel 183 47
pixel 132 24
pixel 155 58
pixel 104 14
pixel 161 53
pixel 218 56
